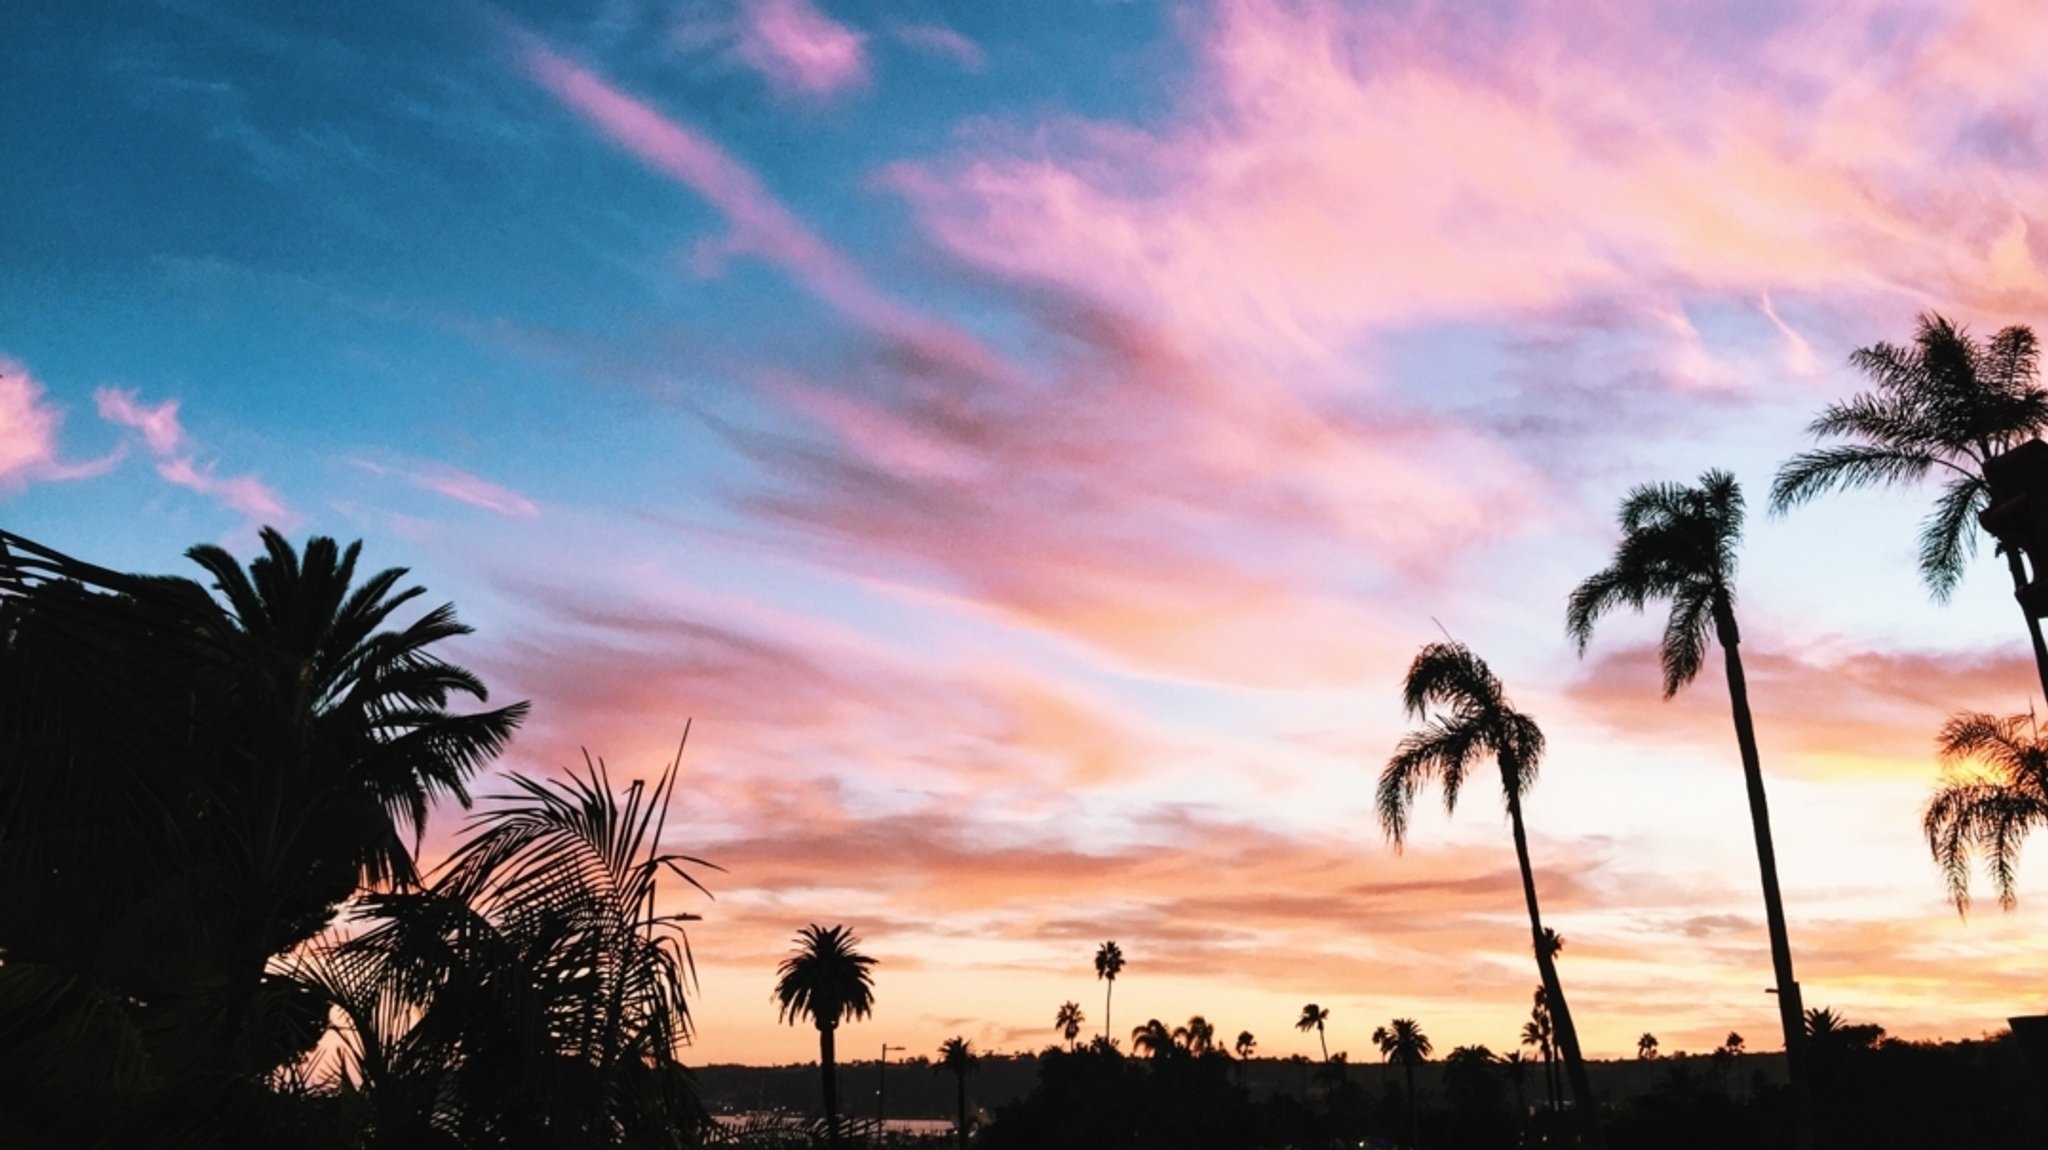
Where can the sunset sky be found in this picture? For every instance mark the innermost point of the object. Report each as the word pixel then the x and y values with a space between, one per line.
pixel 1030 439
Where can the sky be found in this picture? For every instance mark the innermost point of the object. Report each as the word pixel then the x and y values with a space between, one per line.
pixel 1026 443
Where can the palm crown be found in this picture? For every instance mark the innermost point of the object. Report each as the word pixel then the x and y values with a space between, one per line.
pixel 1677 543
pixel 1943 405
pixel 1476 720
pixel 1988 813
pixel 826 979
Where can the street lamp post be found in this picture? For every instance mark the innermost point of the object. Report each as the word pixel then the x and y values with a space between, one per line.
pixel 882 1087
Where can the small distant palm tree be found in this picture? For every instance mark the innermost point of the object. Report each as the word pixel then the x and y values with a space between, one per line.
pixel 1517 1066
pixel 1068 1022
pixel 827 981
pixel 1646 1046
pixel 1198 1037
pixel 1537 1032
pixel 1474 719
pixel 1733 1045
pixel 1944 406
pixel 1109 962
pixel 1312 1018
pixel 1405 1043
pixel 1246 1044
pixel 1678 543
pixel 1987 812
pixel 1153 1040
pixel 956 1057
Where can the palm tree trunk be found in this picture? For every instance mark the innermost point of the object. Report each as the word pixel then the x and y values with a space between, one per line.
pixel 827 1065
pixel 2019 582
pixel 1588 1111
pixel 1108 990
pixel 1325 1042
pixel 1789 1007
pixel 960 1086
pixel 1414 1120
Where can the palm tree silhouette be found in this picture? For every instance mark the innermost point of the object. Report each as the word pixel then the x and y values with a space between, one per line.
pixel 1198 1037
pixel 1245 1044
pixel 1153 1040
pixel 956 1057
pixel 1646 1046
pixel 827 981
pixel 1109 962
pixel 1312 1018
pixel 216 772
pixel 1943 406
pixel 532 995
pixel 1517 1066
pixel 1538 1032
pixel 1068 1021
pixel 1405 1043
pixel 1679 543
pixel 1474 718
pixel 1987 811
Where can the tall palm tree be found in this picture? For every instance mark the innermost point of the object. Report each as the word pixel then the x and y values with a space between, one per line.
pixel 1943 406
pixel 1473 718
pixel 1679 543
pixel 827 981
pixel 1987 811
pixel 1404 1042
pixel 956 1057
pixel 1068 1022
pixel 1109 962
pixel 1312 1018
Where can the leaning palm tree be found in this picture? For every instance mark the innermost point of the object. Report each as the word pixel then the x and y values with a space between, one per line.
pixel 1068 1022
pixel 827 981
pixel 956 1057
pixel 1405 1043
pixel 1473 718
pixel 1312 1018
pixel 1943 406
pixel 1987 811
pixel 1109 962
pixel 1678 543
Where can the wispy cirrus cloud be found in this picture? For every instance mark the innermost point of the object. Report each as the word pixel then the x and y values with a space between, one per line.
pixel 939 40
pixel 457 484
pixel 178 458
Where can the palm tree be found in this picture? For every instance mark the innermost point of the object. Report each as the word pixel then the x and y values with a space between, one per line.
pixel 532 994
pixel 1679 543
pixel 1198 1037
pixel 1109 962
pixel 1153 1039
pixel 1245 1044
pixel 1987 811
pixel 199 780
pixel 1405 1043
pixel 1646 1046
pixel 827 981
pixel 1474 718
pixel 1517 1065
pixel 1068 1022
pixel 1312 1018
pixel 1944 406
pixel 956 1057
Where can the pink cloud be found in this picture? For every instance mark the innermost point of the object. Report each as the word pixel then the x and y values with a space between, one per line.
pixel 800 50
pixel 460 486
pixel 177 461
pixel 28 433
pixel 1336 171
pixel 942 41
